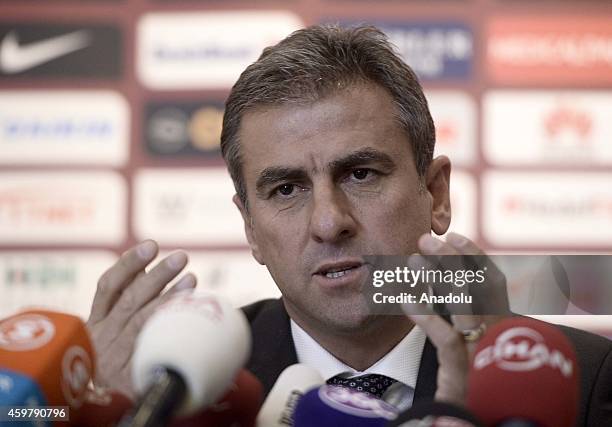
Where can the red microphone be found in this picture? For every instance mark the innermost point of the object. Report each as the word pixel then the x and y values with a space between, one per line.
pixel 49 355
pixel 238 408
pixel 524 372
pixel 101 408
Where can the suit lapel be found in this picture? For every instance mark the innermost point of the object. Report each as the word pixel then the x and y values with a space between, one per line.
pixel 273 348
pixel 428 372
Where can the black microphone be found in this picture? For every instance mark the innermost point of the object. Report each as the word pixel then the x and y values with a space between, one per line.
pixel 160 401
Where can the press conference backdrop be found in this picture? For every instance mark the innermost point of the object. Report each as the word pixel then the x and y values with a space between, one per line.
pixel 110 115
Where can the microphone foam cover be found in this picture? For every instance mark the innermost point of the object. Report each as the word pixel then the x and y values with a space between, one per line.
pixel 524 369
pixel 291 384
pixel 201 337
pixel 332 406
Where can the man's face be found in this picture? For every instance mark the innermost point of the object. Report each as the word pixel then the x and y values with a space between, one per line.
pixel 328 183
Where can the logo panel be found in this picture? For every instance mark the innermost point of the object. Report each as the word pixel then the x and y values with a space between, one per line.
pixel 58 280
pixel 454 114
pixel 572 210
pixel 39 49
pixel 434 50
pixel 177 206
pixel 91 127
pixel 463 193
pixel 548 127
pixel 225 273
pixel 549 50
pixel 184 128
pixel 206 50
pixel 62 208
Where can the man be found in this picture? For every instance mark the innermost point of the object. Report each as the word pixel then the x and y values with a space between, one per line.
pixel 329 142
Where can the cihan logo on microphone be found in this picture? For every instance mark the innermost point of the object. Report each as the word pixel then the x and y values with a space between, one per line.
pixel 522 349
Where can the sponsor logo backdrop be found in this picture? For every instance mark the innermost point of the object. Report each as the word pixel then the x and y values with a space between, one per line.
pixel 110 115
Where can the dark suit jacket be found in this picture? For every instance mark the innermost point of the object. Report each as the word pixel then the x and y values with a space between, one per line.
pixel 273 351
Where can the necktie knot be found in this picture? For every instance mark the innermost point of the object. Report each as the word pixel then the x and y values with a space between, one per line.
pixel 373 384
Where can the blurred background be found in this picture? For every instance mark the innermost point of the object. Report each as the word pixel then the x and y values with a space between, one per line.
pixel 111 110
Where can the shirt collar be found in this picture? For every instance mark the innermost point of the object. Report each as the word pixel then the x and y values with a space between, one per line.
pixel 401 363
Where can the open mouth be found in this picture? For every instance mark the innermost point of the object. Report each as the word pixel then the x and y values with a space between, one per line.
pixel 335 273
pixel 338 269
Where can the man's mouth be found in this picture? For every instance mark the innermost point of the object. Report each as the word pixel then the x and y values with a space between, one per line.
pixel 337 269
pixel 338 273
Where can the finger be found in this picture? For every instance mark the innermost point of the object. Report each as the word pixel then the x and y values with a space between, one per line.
pixel 429 245
pixel 146 287
pixel 439 331
pixel 452 357
pixel 449 260
pixel 116 278
pixel 464 322
pixel 465 246
pixel 125 342
pixel 490 297
pixel 442 335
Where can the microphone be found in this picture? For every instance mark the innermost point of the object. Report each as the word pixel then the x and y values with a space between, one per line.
pixel 238 408
pixel 435 414
pixel 524 373
pixel 333 406
pixel 101 408
pixel 186 356
pixel 46 358
pixel 292 383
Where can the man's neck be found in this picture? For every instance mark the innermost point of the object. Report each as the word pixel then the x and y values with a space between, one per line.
pixel 362 348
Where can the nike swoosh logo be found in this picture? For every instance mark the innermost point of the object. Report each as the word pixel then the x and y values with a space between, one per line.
pixel 15 58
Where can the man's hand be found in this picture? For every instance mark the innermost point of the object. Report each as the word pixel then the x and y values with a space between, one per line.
pixel 126 296
pixel 454 353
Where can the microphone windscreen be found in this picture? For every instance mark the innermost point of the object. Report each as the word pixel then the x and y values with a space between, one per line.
pixel 524 369
pixel 291 384
pixel 435 414
pixel 45 354
pixel 199 336
pixel 332 406
pixel 237 408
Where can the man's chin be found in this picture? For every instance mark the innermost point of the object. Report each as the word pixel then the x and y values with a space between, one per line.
pixel 350 324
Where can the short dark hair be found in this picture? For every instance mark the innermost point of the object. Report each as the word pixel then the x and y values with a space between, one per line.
pixel 315 62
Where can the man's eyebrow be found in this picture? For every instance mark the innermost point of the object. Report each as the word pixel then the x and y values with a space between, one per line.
pixel 274 174
pixel 361 158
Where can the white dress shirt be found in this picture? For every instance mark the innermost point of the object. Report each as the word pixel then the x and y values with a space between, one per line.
pixel 401 363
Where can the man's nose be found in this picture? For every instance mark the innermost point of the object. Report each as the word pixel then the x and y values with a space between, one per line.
pixel 332 218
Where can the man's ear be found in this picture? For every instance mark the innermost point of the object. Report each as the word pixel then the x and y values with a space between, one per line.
pixel 438 186
pixel 248 229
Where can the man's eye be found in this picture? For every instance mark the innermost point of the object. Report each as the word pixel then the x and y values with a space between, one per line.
pixel 285 189
pixel 361 174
